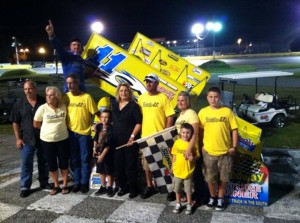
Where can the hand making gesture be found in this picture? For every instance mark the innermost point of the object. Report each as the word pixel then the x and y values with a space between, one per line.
pixel 50 29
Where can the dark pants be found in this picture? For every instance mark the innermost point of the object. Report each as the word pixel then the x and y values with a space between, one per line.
pixel 126 165
pixel 57 151
pixel 201 193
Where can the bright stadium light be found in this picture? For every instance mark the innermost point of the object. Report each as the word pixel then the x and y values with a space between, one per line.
pixel 97 27
pixel 197 29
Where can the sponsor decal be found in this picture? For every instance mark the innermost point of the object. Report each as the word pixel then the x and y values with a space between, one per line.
pixel 163 62
pixel 246 144
pixel 150 43
pixel 145 51
pixel 166 72
pixel 173 57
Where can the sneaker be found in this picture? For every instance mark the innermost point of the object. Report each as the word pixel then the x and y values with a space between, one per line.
pixel 220 205
pixel 110 192
pixel 171 196
pixel 177 208
pixel 123 192
pixel 102 190
pixel 188 209
pixel 212 202
pixel 133 194
pixel 147 193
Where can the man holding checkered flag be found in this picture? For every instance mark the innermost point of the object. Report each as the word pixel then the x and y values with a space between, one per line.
pixel 158 115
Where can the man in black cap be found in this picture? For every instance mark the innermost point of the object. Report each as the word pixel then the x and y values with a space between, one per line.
pixel 72 62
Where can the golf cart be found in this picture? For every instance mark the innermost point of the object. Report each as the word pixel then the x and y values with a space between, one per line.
pixel 265 107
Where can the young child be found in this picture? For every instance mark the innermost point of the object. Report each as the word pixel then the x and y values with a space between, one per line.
pixel 220 139
pixel 183 168
pixel 103 152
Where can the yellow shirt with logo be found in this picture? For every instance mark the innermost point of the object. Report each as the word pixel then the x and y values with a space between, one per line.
pixel 217 125
pixel 182 168
pixel 80 109
pixel 155 110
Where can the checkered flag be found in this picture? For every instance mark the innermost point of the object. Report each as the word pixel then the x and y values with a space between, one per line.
pixel 156 149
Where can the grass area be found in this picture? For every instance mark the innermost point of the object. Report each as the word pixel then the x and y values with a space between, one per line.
pixel 19 75
pixel 220 67
pixel 287 66
pixel 285 137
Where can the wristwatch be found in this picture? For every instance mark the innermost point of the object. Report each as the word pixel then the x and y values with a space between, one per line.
pixel 132 136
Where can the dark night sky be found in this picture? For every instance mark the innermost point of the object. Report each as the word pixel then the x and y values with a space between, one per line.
pixel 253 21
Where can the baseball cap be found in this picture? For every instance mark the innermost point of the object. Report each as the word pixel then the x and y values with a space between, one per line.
pixel 151 77
pixel 75 39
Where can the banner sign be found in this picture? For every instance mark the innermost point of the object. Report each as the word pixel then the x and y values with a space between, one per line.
pixel 249 139
pixel 168 63
pixel 155 149
pixel 113 65
pixel 249 184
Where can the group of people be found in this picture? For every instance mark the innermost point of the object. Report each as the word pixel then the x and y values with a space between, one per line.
pixel 59 129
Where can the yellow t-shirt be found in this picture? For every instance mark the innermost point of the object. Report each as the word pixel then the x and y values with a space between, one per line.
pixel 217 125
pixel 80 108
pixel 155 110
pixel 182 168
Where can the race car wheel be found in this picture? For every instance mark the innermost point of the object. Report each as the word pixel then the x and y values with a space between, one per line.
pixel 278 121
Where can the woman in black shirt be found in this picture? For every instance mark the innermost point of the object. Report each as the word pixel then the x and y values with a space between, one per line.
pixel 127 120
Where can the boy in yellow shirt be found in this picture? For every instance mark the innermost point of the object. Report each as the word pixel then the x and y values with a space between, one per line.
pixel 220 139
pixel 183 168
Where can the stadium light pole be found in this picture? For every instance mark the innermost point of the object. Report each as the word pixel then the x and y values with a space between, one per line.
pixel 15 45
pixel 239 41
pixel 214 27
pixel 97 27
pixel 42 51
pixel 198 29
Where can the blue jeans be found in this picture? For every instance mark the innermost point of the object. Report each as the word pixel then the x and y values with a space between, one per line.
pixel 80 154
pixel 27 156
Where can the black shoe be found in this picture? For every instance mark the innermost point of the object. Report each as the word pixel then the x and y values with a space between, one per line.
pixel 220 204
pixel 123 192
pixel 116 189
pixel 171 196
pixel 24 193
pixel 102 190
pixel 110 192
pixel 148 193
pixel 47 186
pixel 84 188
pixel 133 194
pixel 76 188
